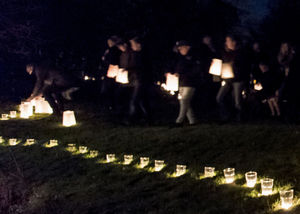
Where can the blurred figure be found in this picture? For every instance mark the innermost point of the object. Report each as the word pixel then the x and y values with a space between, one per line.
pixel 234 59
pixel 111 57
pixel 50 83
pixel 185 68
pixel 140 78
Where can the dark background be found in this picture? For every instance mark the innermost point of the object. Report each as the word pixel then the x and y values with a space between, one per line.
pixel 33 29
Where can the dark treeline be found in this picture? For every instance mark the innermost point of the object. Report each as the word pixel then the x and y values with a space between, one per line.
pixel 31 30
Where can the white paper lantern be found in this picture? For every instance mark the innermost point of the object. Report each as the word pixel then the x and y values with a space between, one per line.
pixel 128 159
pixel 112 71
pixel 216 67
pixel 12 142
pixel 122 76
pixel 13 114
pixel 29 142
pixel 110 158
pixel 69 118
pixel 227 71
pixel 4 117
pixel 172 82
pixel 83 149
pixel 229 174
pixel 251 178
pixel 180 170
pixel 209 172
pixel 286 198
pixel 158 165
pixel 267 186
pixel 144 161
pixel 26 110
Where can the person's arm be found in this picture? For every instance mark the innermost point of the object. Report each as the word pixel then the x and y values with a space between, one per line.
pixel 38 87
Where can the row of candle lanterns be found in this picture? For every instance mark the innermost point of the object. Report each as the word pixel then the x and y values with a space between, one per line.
pixel 286 196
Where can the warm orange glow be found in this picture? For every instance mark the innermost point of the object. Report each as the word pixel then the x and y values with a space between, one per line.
pixel 227 72
pixel 112 71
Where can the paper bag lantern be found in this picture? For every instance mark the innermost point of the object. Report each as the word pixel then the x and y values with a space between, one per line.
pixel 216 67
pixel 42 107
pixel 13 114
pixel 69 118
pixel 172 82
pixel 112 71
pixel 26 110
pixel 122 76
pixel 227 71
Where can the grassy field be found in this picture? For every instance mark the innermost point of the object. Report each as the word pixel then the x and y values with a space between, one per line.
pixel 35 179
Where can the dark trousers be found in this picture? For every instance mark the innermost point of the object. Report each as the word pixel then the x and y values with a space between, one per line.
pixel 52 94
pixel 139 100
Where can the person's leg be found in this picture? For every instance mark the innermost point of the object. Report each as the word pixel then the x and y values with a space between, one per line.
pixel 182 105
pixel 276 106
pixel 220 99
pixel 271 107
pixel 190 112
pixel 134 100
pixel 237 94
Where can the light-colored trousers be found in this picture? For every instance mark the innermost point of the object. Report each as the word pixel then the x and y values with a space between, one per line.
pixel 185 97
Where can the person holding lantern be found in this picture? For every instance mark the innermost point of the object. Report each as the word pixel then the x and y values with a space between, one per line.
pixel 50 83
pixel 234 75
pixel 185 68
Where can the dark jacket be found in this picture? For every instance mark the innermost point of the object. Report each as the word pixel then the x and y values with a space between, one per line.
pixel 239 64
pixel 186 67
pixel 270 82
pixel 48 76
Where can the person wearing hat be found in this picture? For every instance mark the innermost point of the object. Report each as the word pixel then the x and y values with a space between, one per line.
pixel 185 68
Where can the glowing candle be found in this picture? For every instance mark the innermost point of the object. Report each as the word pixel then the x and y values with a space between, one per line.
pixel 128 159
pixel 110 158
pixel 267 186
pixel 1 139
pixel 29 142
pixel 83 149
pixel 122 76
pixel 69 118
pixel 71 147
pixel 13 114
pixel 286 198
pixel 180 170
pixel 4 116
pixel 94 153
pixel 229 174
pixel 209 172
pixel 144 161
pixel 158 165
pixel 251 178
pixel 12 142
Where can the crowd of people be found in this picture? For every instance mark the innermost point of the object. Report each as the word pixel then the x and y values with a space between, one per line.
pixel 259 79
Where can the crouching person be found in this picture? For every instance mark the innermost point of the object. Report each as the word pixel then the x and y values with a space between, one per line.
pixel 187 83
pixel 50 83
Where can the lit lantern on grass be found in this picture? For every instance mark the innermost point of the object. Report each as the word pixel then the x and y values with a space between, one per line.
pixel 4 117
pixel 251 178
pixel 12 142
pixel 158 165
pixel 83 149
pixel 180 170
pixel 144 161
pixel 26 110
pixel 69 118
pixel 112 71
pixel 93 153
pixel 227 71
pixel 128 159
pixel 110 158
pixel 13 114
pixel 172 82
pixel 1 139
pixel 267 186
pixel 286 198
pixel 216 67
pixel 229 174
pixel 29 142
pixel 209 172
pixel 51 143
pixel 71 147
pixel 122 76
pixel 42 106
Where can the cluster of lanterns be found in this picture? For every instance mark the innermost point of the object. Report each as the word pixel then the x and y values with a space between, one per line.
pixel 39 106
pixel 286 196
pixel 120 75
